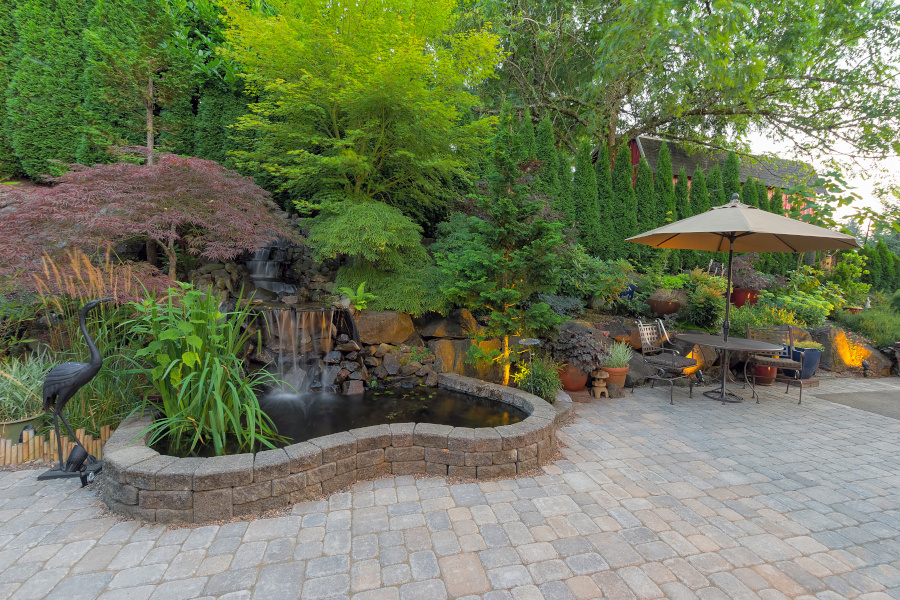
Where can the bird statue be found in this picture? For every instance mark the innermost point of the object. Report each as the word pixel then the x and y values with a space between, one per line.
pixel 62 382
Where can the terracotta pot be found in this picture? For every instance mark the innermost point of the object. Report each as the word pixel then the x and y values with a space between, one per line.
pixel 662 308
pixel 616 375
pixel 765 375
pixel 573 380
pixel 742 296
pixel 853 309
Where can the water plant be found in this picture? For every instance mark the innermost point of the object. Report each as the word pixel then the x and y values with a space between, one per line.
pixel 540 377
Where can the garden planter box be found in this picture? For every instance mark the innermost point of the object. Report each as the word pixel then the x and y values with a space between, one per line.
pixel 662 308
pixel 572 379
pixel 742 296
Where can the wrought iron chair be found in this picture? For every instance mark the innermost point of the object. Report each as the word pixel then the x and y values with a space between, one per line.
pixel 667 361
pixel 783 335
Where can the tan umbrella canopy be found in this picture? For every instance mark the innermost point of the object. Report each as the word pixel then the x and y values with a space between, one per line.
pixel 752 230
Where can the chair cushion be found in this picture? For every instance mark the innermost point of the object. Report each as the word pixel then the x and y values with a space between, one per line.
pixel 774 361
pixel 673 362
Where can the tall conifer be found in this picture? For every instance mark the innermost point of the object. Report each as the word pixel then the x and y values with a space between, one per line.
pixel 715 187
pixel 646 209
pixel 603 173
pixel 545 147
pixel 9 162
pixel 762 196
pixel 731 176
pixel 624 215
pixel 527 147
pixel 664 191
pixel 682 259
pixel 564 203
pixel 699 204
pixel 748 193
pixel 587 215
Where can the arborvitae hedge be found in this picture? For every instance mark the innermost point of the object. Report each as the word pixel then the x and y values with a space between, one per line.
pixel 664 191
pixel 645 205
pixel 749 194
pixel 217 112
pixel 587 213
pixel 624 215
pixel 564 203
pixel 731 176
pixel 44 102
pixel 762 196
pixel 9 162
pixel 603 173
pixel 545 147
pixel 682 259
pixel 715 187
pixel 699 204
pixel 527 147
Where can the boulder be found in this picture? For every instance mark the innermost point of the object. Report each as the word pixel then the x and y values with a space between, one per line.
pixel 391 364
pixel 459 324
pixel 352 387
pixel 844 351
pixel 389 327
pixel 382 350
pixel 451 358
pixel 350 346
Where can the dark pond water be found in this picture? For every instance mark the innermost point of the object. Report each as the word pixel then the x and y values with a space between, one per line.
pixel 317 414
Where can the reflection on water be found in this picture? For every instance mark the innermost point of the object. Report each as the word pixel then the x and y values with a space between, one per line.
pixel 312 415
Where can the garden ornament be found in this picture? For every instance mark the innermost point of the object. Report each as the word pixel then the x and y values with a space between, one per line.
pixel 62 382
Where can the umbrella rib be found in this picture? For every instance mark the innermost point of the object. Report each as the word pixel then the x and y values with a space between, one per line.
pixel 780 239
pixel 659 245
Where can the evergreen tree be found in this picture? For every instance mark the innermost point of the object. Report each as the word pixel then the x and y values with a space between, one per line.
pixel 699 204
pixel 731 176
pixel 886 262
pixel 664 190
pixel 513 253
pixel 603 173
pixel 545 148
pixel 748 193
pixel 9 162
pixel 762 196
pixel 776 203
pixel 587 213
pixel 682 259
pixel 564 202
pixel 715 187
pixel 624 214
pixel 527 146
pixel 44 119
pixel 646 210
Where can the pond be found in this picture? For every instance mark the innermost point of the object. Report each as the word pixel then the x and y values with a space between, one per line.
pixel 313 415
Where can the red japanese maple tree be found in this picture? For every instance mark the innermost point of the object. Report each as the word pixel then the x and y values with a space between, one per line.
pixel 193 203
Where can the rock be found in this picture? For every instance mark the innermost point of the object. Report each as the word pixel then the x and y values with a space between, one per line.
pixel 410 369
pixel 391 364
pixel 350 366
pixel 332 358
pixel 343 338
pixel 459 324
pixel 431 379
pixel 350 346
pixel 356 375
pixel 205 269
pixel 380 373
pixel 382 350
pixel 372 361
pixel 352 388
pixel 451 358
pixel 390 327
pixel 343 376
pixel 845 351
pixel 289 299
pixel 438 365
pixel 638 372
pixel 352 356
pixel 423 372
pixel 414 340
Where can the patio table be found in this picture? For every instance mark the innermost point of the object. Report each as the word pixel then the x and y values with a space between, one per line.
pixel 724 346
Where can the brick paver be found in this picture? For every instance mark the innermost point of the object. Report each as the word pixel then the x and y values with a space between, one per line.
pixel 695 500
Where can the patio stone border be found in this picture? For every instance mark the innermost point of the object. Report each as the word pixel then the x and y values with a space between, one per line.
pixel 143 484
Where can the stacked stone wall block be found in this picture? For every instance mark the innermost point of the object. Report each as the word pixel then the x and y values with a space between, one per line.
pixel 442 456
pixel 167 500
pixel 336 446
pixel 404 454
pixel 430 435
pixel 251 493
pixel 218 472
pixel 462 439
pixel 303 457
pixel 271 464
pixel 402 434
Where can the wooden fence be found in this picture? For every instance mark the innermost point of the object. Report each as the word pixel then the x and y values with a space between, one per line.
pixel 43 447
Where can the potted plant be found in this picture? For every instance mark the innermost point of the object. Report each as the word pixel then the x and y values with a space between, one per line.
pixel 20 401
pixel 579 352
pixel 746 281
pixel 616 361
pixel 812 353
pixel 669 296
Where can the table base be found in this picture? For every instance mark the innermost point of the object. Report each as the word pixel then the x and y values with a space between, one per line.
pixel 724 396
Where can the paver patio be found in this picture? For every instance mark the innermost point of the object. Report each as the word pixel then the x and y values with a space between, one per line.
pixel 650 500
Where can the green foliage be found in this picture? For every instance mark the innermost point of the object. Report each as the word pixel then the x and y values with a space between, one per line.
pixel 193 360
pixel 548 176
pixel 17 311
pixel 540 377
pixel 706 308
pixel 646 208
pixel 682 259
pixel 715 186
pixel 748 193
pixel 9 162
pixel 587 277
pixel 810 309
pixel 847 275
pixel 761 314
pixel 564 306
pixel 368 231
pixel 699 196
pixel 527 144
pixel 731 176
pixel 618 355
pixel 513 253
pixel 361 100
pixel 359 298
pixel 762 196
pixel 664 190
pixel 622 219
pixel 413 289
pixel 880 326
pixel 21 381
pixel 43 117
pixel 895 301
pixel 587 212
pixel 564 203
pixel 608 248
pixel 776 203
pixel 576 345
pixel 217 112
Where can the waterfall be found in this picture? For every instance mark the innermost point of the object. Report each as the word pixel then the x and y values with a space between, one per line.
pixel 265 270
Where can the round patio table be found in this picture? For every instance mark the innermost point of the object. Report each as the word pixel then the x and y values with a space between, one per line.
pixel 733 343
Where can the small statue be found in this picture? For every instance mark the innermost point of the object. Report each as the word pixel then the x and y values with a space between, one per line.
pixel 61 384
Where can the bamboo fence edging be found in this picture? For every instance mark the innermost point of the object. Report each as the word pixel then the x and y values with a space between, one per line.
pixel 43 447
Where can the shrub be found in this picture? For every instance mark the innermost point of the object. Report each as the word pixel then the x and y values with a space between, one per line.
pixel 586 277
pixel 576 345
pixel 706 308
pixel 761 315
pixel 880 326
pixel 21 380
pixel 810 309
pixel 895 301
pixel 563 305
pixel 411 289
pixel 540 378
pixel 192 353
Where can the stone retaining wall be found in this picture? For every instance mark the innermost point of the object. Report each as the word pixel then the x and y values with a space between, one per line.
pixel 141 483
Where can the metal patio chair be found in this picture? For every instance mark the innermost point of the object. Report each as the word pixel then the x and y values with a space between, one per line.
pixel 668 362
pixel 783 335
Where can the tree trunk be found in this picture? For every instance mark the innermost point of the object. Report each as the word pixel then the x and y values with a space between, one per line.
pixel 149 105
pixel 152 257
pixel 172 256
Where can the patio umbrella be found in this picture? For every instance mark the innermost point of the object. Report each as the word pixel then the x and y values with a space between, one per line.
pixel 737 227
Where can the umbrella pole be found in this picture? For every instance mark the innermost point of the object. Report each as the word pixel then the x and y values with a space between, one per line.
pixel 726 325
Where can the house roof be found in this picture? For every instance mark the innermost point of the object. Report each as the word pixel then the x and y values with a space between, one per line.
pixel 773 172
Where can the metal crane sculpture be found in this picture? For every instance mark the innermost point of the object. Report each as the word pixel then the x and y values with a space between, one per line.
pixel 62 382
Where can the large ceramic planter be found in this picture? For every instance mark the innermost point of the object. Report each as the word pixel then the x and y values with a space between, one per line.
pixel 811 358
pixel 572 379
pixel 765 375
pixel 853 309
pixel 616 375
pixel 11 430
pixel 662 308
pixel 742 296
